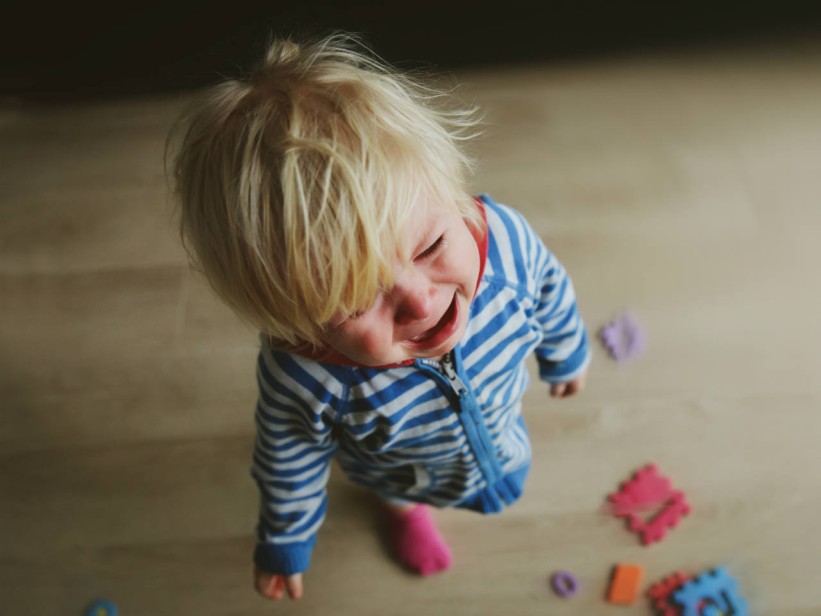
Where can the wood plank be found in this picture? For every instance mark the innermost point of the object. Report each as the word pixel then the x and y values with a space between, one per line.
pixel 683 186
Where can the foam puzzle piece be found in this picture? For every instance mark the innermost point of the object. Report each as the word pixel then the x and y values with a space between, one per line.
pixel 714 593
pixel 661 592
pixel 646 490
pixel 624 586
pixel 649 491
pixel 564 584
pixel 623 337
pixel 103 607
pixel 656 529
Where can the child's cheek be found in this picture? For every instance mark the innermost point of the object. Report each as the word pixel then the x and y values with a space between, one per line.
pixel 371 342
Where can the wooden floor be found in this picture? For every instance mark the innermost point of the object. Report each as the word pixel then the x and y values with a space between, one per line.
pixel 681 186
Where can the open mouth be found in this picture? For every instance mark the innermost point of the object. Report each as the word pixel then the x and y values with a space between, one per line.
pixel 440 332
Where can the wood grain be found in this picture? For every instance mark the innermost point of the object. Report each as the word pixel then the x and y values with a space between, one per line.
pixel 683 186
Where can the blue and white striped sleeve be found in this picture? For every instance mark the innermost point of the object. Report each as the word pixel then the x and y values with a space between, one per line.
pixel 292 455
pixel 564 352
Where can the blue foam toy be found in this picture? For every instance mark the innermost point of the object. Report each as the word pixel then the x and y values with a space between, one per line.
pixel 103 607
pixel 714 593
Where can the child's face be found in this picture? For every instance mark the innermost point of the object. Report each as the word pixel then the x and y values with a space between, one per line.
pixel 425 313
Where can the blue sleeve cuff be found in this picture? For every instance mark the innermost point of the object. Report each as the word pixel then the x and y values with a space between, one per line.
pixel 567 369
pixel 284 559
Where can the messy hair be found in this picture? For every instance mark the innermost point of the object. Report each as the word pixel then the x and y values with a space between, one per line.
pixel 296 183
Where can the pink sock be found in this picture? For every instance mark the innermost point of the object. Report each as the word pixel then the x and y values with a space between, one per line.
pixel 417 541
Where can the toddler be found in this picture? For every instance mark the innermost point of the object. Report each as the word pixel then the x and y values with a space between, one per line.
pixel 324 198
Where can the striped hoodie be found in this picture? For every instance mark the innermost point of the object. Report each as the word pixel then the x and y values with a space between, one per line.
pixel 447 432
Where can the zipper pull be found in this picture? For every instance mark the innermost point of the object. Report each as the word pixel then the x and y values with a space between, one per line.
pixel 449 370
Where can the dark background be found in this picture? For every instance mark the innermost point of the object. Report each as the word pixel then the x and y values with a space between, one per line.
pixel 76 51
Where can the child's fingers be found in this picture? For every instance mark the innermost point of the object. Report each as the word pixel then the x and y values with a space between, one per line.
pixel 261 582
pixel 279 588
pixel 563 390
pixel 294 583
pixel 269 585
pixel 557 389
pixel 571 388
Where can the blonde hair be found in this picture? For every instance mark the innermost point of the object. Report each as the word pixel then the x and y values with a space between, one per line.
pixel 296 184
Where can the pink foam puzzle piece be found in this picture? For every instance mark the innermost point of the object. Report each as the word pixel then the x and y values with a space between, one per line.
pixel 649 491
pixel 646 490
pixel 656 529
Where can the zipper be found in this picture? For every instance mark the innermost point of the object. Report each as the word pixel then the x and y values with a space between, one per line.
pixel 448 365
pixel 467 407
pixel 446 368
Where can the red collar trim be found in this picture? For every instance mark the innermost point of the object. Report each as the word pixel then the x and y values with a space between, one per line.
pixel 329 356
pixel 481 237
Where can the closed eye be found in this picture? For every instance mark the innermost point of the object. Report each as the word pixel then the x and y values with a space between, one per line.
pixel 432 250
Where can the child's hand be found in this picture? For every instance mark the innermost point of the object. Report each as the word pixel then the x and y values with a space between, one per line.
pixel 272 586
pixel 565 390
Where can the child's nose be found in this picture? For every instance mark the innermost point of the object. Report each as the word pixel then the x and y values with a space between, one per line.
pixel 414 300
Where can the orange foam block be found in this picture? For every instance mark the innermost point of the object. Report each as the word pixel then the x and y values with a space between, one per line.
pixel 624 587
